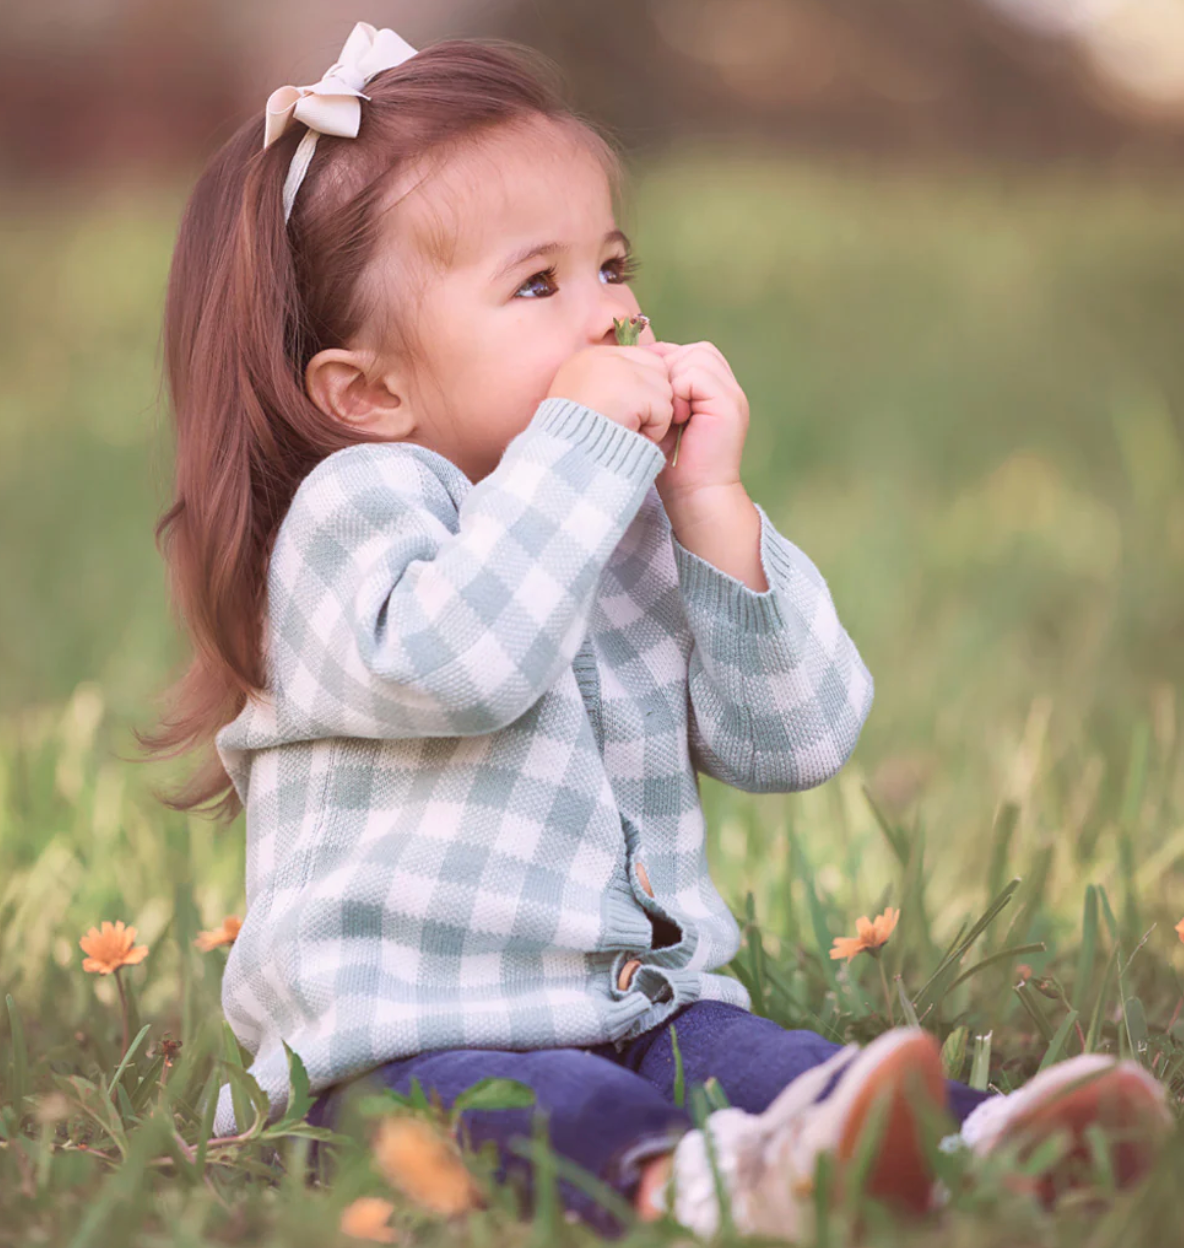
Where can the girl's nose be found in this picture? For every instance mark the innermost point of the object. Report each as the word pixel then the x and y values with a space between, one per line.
pixel 608 307
pixel 604 302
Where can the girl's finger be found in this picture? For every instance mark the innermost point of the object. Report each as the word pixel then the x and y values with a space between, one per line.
pixel 654 365
pixel 693 381
pixel 704 352
pixel 709 366
pixel 666 445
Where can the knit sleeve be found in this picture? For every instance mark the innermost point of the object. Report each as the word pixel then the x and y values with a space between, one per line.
pixel 396 613
pixel 777 692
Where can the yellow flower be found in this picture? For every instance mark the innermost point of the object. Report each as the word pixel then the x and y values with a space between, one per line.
pixel 111 948
pixel 424 1164
pixel 224 935
pixel 871 935
pixel 367 1218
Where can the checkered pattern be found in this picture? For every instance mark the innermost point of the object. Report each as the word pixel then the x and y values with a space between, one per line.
pixel 486 704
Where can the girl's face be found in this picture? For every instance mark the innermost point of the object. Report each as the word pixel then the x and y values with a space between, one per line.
pixel 529 268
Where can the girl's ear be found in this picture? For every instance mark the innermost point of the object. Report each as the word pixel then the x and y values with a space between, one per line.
pixel 345 386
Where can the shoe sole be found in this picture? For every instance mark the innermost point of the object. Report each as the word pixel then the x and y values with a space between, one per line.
pixel 1121 1103
pixel 911 1085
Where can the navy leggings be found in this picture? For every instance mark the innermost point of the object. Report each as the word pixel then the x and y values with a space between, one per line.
pixel 609 1111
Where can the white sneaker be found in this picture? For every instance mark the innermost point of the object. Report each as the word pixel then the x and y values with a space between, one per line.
pixel 1128 1103
pixel 768 1161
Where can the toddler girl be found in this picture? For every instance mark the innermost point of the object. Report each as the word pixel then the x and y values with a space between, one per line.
pixel 464 636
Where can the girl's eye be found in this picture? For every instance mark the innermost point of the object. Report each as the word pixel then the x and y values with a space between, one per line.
pixel 541 285
pixel 621 268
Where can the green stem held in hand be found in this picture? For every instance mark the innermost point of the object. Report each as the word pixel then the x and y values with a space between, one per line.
pixel 628 333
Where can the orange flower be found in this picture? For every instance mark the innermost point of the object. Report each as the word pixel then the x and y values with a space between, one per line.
pixel 424 1164
pixel 224 935
pixel 367 1218
pixel 111 948
pixel 1180 929
pixel 871 936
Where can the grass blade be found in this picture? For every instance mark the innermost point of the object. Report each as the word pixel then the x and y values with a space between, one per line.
pixel 1131 921
pixel 1136 773
pixel 1004 955
pixel 19 1080
pixel 1095 1022
pixel 896 838
pixel 821 932
pixel 149 1082
pixel 1057 1044
pixel 680 1086
pixel 1001 836
pixel 1035 1013
pixel 910 1015
pixel 929 993
pixel 546 1219
pixel 756 957
pixel 953 1053
pixel 700 1111
pixel 239 1099
pixel 1029 905
pixel 1135 1019
pixel 127 1057
pixel 570 1172
pixel 980 1067
pixel 1089 948
pixel 1111 921
pixel 213 1085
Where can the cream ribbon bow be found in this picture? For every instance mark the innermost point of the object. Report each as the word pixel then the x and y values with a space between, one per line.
pixel 332 106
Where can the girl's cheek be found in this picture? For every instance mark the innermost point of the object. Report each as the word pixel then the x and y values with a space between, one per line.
pixel 535 355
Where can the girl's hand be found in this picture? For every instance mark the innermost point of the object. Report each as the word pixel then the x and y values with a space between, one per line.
pixel 709 401
pixel 626 384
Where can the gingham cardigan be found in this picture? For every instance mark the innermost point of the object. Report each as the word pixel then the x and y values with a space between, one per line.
pixel 486 705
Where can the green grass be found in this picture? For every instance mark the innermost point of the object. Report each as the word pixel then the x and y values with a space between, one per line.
pixel 967 397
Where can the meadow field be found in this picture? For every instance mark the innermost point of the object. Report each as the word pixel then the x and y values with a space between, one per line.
pixel 967 394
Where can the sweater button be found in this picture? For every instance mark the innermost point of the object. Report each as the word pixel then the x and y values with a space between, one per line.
pixel 643 877
pixel 627 972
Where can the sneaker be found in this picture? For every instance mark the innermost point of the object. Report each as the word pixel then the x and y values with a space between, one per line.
pixel 1123 1099
pixel 767 1162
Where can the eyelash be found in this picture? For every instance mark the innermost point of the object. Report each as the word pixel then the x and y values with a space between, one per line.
pixel 627 266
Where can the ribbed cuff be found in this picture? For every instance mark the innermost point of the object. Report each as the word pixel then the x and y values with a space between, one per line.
pixel 714 592
pixel 623 1171
pixel 612 445
pixel 624 917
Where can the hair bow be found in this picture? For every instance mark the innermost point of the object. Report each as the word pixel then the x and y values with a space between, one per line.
pixel 332 106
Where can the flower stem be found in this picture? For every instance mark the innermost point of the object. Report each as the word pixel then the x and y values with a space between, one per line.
pixel 887 994
pixel 123 1005
pixel 628 333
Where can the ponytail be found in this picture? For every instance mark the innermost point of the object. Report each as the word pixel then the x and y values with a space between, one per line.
pixel 250 300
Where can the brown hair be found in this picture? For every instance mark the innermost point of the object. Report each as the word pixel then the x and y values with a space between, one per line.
pixel 250 301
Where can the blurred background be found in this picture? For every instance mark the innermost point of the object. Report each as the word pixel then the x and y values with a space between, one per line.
pixel 941 242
